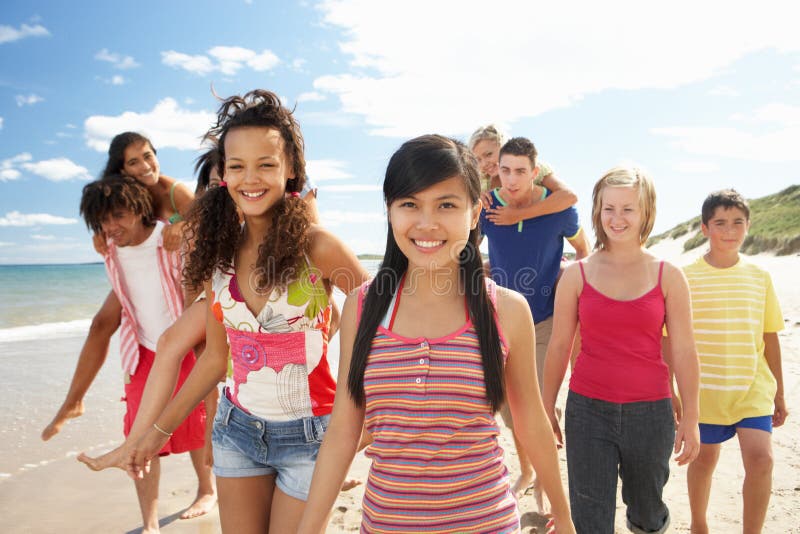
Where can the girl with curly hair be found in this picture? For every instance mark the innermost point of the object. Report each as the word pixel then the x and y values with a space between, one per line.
pixel 268 281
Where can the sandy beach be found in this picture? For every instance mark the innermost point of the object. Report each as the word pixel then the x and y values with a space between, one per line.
pixel 44 489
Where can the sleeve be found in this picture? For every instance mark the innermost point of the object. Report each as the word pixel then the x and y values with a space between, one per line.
pixel 773 318
pixel 571 223
pixel 544 170
pixel 309 187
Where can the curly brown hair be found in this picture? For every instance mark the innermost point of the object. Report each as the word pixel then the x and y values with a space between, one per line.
pixel 213 222
pixel 112 192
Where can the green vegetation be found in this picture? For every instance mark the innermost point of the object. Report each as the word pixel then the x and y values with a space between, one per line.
pixel 774 226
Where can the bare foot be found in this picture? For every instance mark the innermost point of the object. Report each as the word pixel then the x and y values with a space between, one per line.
pixel 116 458
pixel 524 482
pixel 542 504
pixel 64 413
pixel 201 506
pixel 350 483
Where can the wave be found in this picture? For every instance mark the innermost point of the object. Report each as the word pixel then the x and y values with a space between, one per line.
pixel 46 330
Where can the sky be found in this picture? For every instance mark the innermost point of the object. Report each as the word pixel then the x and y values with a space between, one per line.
pixel 704 95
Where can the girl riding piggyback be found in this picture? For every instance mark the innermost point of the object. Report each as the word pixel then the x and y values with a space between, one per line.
pixel 268 280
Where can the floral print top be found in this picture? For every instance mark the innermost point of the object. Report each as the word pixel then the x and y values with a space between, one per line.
pixel 278 369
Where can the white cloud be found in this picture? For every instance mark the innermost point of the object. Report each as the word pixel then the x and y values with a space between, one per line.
pixel 9 33
pixel 6 244
pixel 117 80
pixel 337 217
pixel 167 124
pixel 779 113
pixel 119 61
pixel 1 123
pixel 350 188
pixel 58 170
pixel 696 167
pixel 40 237
pixel 28 100
pixel 450 81
pixel 15 218
pixel 8 167
pixel 298 64
pixel 311 96
pixel 225 59
pixel 321 170
pixel 70 125
pixel 724 90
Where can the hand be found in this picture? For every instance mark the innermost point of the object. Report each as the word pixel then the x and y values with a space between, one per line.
pixel 148 446
pixel 781 412
pixel 486 199
pixel 687 442
pixel 503 215
pixel 551 414
pixel 560 526
pixel 172 235
pixel 99 243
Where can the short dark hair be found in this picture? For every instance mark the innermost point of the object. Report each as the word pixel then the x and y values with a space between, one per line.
pixel 725 198
pixel 112 192
pixel 520 146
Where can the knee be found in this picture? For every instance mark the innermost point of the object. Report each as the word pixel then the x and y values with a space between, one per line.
pixel 166 343
pixel 758 463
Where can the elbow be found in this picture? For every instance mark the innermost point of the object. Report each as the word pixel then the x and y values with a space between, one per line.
pixel 104 323
pixel 570 197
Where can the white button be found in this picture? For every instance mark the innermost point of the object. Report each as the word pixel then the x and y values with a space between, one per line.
pixel 422 345
pixel 422 360
pixel 419 380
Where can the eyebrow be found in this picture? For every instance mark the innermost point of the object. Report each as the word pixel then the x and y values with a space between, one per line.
pixel 258 159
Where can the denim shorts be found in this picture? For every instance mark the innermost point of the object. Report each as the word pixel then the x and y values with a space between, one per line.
pixel 718 433
pixel 247 446
pixel 605 441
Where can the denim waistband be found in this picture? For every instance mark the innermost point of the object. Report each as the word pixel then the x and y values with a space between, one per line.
pixel 313 428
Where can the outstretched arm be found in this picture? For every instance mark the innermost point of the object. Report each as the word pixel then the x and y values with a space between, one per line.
pixel 684 361
pixel 341 439
pixel 532 427
pixel 91 359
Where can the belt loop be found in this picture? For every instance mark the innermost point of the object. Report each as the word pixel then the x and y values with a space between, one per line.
pixel 229 408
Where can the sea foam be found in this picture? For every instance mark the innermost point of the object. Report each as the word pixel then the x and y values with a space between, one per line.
pixel 45 331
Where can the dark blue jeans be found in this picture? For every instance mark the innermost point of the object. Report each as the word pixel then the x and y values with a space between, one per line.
pixel 633 441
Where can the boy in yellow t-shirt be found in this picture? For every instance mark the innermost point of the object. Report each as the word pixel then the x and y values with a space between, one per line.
pixel 736 318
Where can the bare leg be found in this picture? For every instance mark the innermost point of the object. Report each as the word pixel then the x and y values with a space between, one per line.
pixel 147 492
pixel 698 481
pixel 286 512
pixel 91 359
pixel 206 493
pixel 245 503
pixel 756 446
pixel 172 346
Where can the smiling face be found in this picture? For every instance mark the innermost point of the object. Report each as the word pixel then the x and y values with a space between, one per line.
pixel 726 229
pixel 486 151
pixel 516 177
pixel 621 214
pixel 432 226
pixel 140 162
pixel 124 227
pixel 256 168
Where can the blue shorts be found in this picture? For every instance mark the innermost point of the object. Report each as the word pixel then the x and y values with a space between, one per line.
pixel 718 433
pixel 248 446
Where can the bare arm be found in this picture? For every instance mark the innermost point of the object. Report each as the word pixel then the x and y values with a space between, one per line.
pixel 580 242
pixel 93 355
pixel 565 324
pixel 341 439
pixel 532 425
pixel 336 261
pixel 559 199
pixel 772 353
pixel 684 361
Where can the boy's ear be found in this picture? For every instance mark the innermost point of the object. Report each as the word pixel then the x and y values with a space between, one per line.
pixel 704 228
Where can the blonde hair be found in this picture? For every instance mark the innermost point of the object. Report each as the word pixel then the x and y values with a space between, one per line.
pixel 625 176
pixel 489 132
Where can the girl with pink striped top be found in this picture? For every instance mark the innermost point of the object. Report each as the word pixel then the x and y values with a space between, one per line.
pixel 618 419
pixel 268 282
pixel 429 350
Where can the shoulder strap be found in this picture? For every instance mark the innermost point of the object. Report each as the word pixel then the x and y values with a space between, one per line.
pixel 583 274
pixel 172 196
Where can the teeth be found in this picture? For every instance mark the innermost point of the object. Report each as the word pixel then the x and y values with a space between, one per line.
pixel 252 194
pixel 428 244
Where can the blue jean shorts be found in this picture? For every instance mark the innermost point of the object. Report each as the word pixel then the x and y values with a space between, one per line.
pixel 718 433
pixel 248 446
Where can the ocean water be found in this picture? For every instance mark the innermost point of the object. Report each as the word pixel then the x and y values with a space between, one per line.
pixel 51 301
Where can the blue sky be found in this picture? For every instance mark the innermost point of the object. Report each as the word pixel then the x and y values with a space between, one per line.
pixel 703 94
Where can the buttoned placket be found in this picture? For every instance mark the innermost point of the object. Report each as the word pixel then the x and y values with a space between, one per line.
pixel 424 364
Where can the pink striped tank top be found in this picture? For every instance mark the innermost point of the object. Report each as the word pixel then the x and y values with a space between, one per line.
pixel 620 359
pixel 436 462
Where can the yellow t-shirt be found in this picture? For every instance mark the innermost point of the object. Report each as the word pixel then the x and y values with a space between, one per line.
pixel 731 310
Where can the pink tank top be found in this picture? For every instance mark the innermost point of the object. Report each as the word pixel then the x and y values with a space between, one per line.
pixel 620 359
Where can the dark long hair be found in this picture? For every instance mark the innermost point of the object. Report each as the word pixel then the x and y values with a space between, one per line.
pixel 213 223
pixel 116 151
pixel 417 165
